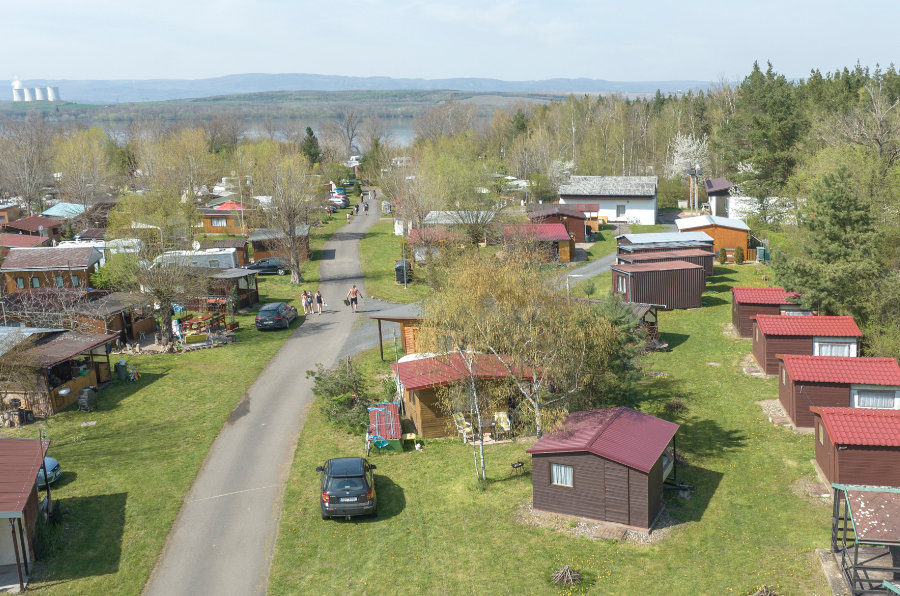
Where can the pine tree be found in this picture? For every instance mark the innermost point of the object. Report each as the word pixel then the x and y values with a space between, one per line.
pixel 310 147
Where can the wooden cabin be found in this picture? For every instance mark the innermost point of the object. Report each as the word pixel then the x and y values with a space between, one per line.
pixel 726 233
pixel 748 302
pixel 669 284
pixel 774 335
pixel 834 381
pixel 266 242
pixel 223 221
pixel 552 237
pixel 691 255
pixel 573 220
pixel 49 267
pixel 20 461
pixel 421 377
pixel 607 464
pixel 858 445
pixel 663 241
pixel 409 317
pixel 8 212
pixel 240 282
pixel 36 225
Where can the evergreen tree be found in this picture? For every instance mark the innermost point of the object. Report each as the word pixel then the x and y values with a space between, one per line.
pixel 310 147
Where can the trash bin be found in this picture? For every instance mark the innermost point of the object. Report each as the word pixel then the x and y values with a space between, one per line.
pixel 402 271
pixel 121 369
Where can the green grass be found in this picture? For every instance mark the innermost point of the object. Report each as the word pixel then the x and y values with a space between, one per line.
pixel 438 532
pixel 126 476
pixel 606 245
pixel 642 229
pixel 378 251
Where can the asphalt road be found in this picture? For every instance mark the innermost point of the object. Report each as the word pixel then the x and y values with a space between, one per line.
pixel 223 538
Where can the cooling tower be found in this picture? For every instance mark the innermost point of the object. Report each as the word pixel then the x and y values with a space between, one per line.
pixel 52 93
pixel 29 94
pixel 39 94
pixel 18 95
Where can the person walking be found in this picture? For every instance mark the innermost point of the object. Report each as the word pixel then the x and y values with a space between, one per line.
pixel 353 296
pixel 366 205
pixel 348 217
pixel 304 299
pixel 356 207
pixel 319 301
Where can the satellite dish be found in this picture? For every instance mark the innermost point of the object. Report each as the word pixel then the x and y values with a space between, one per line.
pixel 195 245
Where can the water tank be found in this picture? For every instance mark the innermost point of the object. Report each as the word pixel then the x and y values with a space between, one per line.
pixel 52 93
pixel 29 94
pixel 18 94
pixel 39 94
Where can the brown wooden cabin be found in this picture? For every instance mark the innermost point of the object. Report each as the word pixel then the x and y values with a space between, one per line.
pixel 49 267
pixel 240 245
pixel 9 212
pixel 858 445
pixel 607 464
pixel 668 285
pixel 552 237
pixel 64 362
pixel 36 225
pixel 420 379
pixel 20 461
pixel 222 221
pixel 691 255
pixel 812 336
pixel 747 302
pixel 409 317
pixel 242 281
pixel 663 241
pixel 726 233
pixel 834 381
pixel 572 219
pixel 265 242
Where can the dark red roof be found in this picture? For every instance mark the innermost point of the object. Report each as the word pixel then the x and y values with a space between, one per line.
pixel 551 210
pixel 745 295
pixel 21 240
pixel 92 234
pixel 623 435
pixel 384 421
pixel 66 345
pixel 542 232
pixel 839 369
pixel 717 185
pixel 33 223
pixel 446 369
pixel 20 460
pixel 51 257
pixel 812 326
pixel 666 254
pixel 861 426
pixel 661 266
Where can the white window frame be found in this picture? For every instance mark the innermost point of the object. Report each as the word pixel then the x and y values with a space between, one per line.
pixel 818 342
pixel 624 210
pixel 622 284
pixel 218 222
pixel 855 389
pixel 560 473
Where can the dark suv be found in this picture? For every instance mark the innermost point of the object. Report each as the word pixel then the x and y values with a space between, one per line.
pixel 276 315
pixel 348 488
pixel 269 265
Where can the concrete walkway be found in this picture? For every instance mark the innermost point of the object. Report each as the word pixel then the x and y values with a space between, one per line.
pixel 223 538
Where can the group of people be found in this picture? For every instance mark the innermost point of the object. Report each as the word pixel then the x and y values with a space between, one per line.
pixel 356 207
pixel 315 301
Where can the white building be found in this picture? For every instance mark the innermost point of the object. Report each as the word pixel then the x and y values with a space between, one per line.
pixel 630 199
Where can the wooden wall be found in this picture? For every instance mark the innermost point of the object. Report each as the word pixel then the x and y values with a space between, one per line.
pixel 741 313
pixel 856 464
pixel 797 396
pixel 47 279
pixel 765 348
pixel 727 238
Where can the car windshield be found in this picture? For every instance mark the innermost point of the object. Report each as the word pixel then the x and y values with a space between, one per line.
pixel 356 483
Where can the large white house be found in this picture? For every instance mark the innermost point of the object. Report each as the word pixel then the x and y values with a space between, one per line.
pixel 629 199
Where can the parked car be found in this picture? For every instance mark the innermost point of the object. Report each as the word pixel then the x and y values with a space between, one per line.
pixel 275 315
pixel 270 265
pixel 54 471
pixel 340 202
pixel 348 488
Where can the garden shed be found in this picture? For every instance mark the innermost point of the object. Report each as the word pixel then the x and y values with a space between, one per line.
pixel 858 445
pixel 834 381
pixel 697 256
pixel 409 317
pixel 267 242
pixel 747 302
pixel 726 233
pixel 551 237
pixel 812 336
pixel 572 219
pixel 669 284
pixel 607 464
pixel 659 241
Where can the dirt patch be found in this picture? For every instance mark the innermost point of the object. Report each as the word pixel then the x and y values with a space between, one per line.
pixel 811 491
pixel 751 368
pixel 774 411
pixel 729 331
pixel 592 529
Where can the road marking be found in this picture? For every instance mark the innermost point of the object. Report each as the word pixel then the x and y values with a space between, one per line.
pixel 237 492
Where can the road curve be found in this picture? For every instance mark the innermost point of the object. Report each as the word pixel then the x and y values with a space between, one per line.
pixel 223 538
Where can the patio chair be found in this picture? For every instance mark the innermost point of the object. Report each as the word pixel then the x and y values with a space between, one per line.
pixel 463 427
pixel 502 426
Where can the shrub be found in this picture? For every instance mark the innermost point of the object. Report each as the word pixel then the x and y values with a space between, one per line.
pixel 47 533
pixel 739 255
pixel 589 288
pixel 342 390
pixel 723 256
pixel 675 406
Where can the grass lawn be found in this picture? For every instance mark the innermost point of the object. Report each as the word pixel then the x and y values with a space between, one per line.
pixel 606 244
pixel 378 251
pixel 643 229
pixel 125 477
pixel 438 532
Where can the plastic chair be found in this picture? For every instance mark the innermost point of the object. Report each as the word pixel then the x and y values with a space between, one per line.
pixel 463 427
pixel 502 423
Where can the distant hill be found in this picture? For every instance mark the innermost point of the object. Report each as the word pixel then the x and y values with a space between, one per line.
pixel 125 91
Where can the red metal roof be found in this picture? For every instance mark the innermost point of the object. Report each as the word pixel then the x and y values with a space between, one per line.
pixel 661 266
pixel 446 369
pixel 745 295
pixel 838 369
pixel 51 257
pixel 384 421
pixel 21 240
pixel 542 232
pixel 812 326
pixel 623 435
pixel 229 205
pixel 861 426
pixel 20 460
pixel 33 223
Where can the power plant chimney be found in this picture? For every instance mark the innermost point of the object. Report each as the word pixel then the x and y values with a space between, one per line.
pixel 52 93
pixel 39 94
pixel 29 94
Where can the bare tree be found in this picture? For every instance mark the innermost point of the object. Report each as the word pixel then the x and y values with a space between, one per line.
pixel 347 127
pixel 82 160
pixel 25 160
pixel 224 132
pixel 18 368
pixel 448 119
pixel 876 124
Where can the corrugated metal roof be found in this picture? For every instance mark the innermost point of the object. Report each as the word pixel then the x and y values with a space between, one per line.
pixel 64 210
pixel 660 266
pixel 700 221
pixel 22 240
pixel 91 234
pixel 446 369
pixel 665 237
pixel 20 460
pixel 747 295
pixel 457 217
pixel 717 185
pixel 33 223
pixel 273 234
pixel 623 435
pixel 406 312
pixel 551 210
pixel 610 186
pixel 811 326
pixel 51 257
pixel 49 351
pixel 861 426
pixel 542 232
pixel 840 369
pixel 668 254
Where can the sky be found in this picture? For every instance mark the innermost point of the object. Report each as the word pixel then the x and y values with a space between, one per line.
pixel 645 40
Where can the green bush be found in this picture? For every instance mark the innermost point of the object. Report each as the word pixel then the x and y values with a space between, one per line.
pixel 739 255
pixel 589 288
pixel 723 256
pixel 342 390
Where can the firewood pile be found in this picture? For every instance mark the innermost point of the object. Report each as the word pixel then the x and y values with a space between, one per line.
pixel 566 576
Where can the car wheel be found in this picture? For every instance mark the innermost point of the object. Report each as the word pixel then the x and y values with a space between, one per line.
pixel 374 513
pixel 281 271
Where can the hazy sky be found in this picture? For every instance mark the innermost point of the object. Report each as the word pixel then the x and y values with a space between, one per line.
pixel 507 39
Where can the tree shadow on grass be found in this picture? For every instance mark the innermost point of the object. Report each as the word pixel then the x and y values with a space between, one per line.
pixel 721 270
pixel 108 399
pixel 713 300
pixel 705 483
pixel 673 339
pixel 718 288
pixel 391 501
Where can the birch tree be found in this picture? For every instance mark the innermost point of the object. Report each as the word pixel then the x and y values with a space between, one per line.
pixel 82 160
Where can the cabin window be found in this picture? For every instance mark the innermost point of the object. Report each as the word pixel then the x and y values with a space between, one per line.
pixel 59 281
pixel 75 281
pixel 833 349
pixel 214 263
pixel 873 398
pixel 218 222
pixel 20 283
pixel 621 284
pixel 562 475
pixel 35 282
pixel 620 211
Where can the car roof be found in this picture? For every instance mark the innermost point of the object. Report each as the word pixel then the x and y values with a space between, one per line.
pixel 346 466
pixel 271 306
